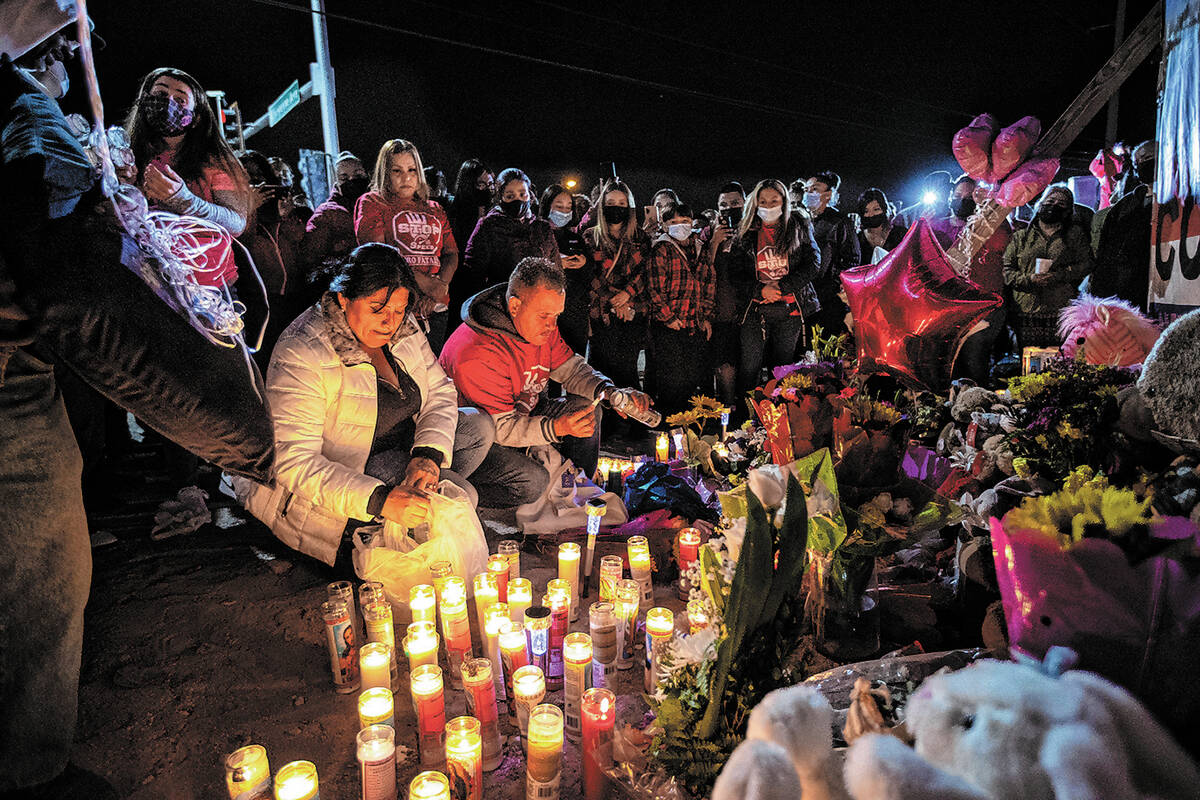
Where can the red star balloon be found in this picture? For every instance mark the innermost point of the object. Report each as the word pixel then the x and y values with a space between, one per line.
pixel 912 311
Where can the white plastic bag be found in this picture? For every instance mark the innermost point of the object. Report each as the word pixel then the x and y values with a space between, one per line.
pixel 561 507
pixel 400 558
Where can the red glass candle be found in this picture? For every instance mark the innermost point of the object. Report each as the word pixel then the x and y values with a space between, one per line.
pixel 599 720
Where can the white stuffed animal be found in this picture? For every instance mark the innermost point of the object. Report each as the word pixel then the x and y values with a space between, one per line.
pixel 992 731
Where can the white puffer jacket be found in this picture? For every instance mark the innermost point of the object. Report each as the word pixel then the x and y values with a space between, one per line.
pixel 321 387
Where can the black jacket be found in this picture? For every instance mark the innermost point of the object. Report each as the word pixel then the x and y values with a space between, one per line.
pixel 804 266
pixel 1122 268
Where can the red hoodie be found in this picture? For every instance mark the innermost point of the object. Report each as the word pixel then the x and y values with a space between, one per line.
pixel 498 371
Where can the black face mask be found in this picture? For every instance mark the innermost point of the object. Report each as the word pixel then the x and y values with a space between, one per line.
pixel 1053 214
pixel 616 215
pixel 353 188
pixel 515 208
pixel 962 207
pixel 874 221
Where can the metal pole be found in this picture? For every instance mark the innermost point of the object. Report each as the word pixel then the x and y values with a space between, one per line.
pixel 1114 104
pixel 323 85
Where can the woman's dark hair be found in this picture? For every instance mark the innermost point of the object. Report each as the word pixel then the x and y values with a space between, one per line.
pixel 203 143
pixel 872 194
pixel 677 210
pixel 670 193
pixel 256 161
pixel 506 177
pixel 371 267
pixel 553 191
pixel 468 174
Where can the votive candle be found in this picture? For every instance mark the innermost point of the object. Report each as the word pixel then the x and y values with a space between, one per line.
pixel 297 780
pixel 481 704
pixel 697 616
pixel 544 760
pixel 520 597
pixel 375 665
pixel 511 549
pixel 464 756
pixel 247 772
pixel 577 662
pixel 599 722
pixel 629 600
pixel 660 626
pixel 638 549
pixel 496 622
pixel 376 753
pixel 689 546
pixel 662 448
pixel 559 604
pixel 568 570
pixel 602 623
pixel 456 626
pixel 421 644
pixel 428 695
pixel 560 587
pixel 376 707
pixel 486 592
pixel 369 592
pixel 439 571
pixel 422 602
pixel 529 688
pixel 344 591
pixel 611 570
pixel 498 568
pixel 514 654
pixel 340 642
pixel 429 785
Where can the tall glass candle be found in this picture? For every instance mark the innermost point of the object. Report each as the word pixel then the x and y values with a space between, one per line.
pixel 537 631
pixel 629 600
pixel 456 626
pixel 297 780
pixel 660 626
pixel 481 704
pixel 638 549
pixel 464 756
pixel 520 597
pixel 599 721
pixel 511 549
pixel 560 587
pixel 577 663
pixel 560 623
pixel 429 785
pixel 568 570
pixel 378 617
pixel 496 621
pixel 543 771
pixel 602 622
pixel 514 654
pixel 697 616
pixel 662 448
pixel 428 696
pixel 486 592
pixel 340 642
pixel 422 601
pixel 369 592
pixel 375 665
pixel 376 707
pixel 421 644
pixel 689 552
pixel 248 773
pixel 376 753
pixel 611 570
pixel 344 591
pixel 529 688
pixel 438 572
pixel 497 567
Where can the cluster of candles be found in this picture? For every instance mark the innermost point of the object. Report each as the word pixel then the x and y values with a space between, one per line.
pixel 524 650
pixel 611 473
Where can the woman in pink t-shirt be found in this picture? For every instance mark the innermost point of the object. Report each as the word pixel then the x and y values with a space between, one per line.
pixel 184 164
pixel 398 211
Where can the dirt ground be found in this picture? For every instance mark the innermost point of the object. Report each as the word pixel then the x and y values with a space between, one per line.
pixel 201 643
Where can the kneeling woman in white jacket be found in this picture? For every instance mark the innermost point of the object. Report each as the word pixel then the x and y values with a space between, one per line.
pixel 366 421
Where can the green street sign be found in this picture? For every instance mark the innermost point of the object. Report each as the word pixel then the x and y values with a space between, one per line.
pixel 281 105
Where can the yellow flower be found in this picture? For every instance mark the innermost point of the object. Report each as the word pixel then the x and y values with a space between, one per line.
pixel 1068 431
pixel 683 419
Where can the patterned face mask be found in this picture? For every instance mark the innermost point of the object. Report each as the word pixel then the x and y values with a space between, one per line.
pixel 166 116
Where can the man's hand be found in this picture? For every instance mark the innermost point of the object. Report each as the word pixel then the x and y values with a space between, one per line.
pixel 720 234
pixel 432 287
pixel 706 329
pixel 573 262
pixel 641 401
pixel 771 293
pixel 422 474
pixel 406 506
pixel 620 300
pixel 675 324
pixel 160 184
pixel 582 423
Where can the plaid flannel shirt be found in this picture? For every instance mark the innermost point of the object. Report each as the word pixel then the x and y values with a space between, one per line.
pixel 621 271
pixel 681 283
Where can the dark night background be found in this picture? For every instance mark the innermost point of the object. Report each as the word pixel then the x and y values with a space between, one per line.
pixel 873 91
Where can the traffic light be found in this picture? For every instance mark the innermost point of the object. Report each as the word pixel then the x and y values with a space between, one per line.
pixel 229 116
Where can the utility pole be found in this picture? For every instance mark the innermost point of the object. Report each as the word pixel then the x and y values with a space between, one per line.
pixel 1114 104
pixel 323 85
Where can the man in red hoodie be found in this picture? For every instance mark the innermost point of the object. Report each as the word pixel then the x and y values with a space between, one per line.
pixel 503 359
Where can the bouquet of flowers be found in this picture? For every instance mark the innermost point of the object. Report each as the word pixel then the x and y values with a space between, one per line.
pixel 1068 418
pixel 1091 567
pixel 872 437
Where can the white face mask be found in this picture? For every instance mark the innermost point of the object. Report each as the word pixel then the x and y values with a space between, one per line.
pixel 812 200
pixel 559 218
pixel 679 232
pixel 770 214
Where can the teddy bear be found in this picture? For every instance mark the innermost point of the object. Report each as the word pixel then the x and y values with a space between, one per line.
pixel 995 730
pixel 1168 382
pixel 1106 331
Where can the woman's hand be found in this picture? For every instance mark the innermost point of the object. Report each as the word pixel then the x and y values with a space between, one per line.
pixel 159 185
pixel 771 293
pixel 406 506
pixel 573 262
pixel 422 474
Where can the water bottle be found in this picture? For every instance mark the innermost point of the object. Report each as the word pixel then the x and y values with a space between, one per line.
pixel 620 400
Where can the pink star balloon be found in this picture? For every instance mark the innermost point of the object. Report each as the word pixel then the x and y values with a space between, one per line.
pixel 912 311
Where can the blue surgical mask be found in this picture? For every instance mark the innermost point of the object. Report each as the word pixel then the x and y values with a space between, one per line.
pixel 559 219
pixel 679 232
pixel 812 200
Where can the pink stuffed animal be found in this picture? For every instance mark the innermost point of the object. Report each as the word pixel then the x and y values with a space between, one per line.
pixel 1106 331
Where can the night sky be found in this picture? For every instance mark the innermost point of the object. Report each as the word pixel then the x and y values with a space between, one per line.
pixel 873 91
